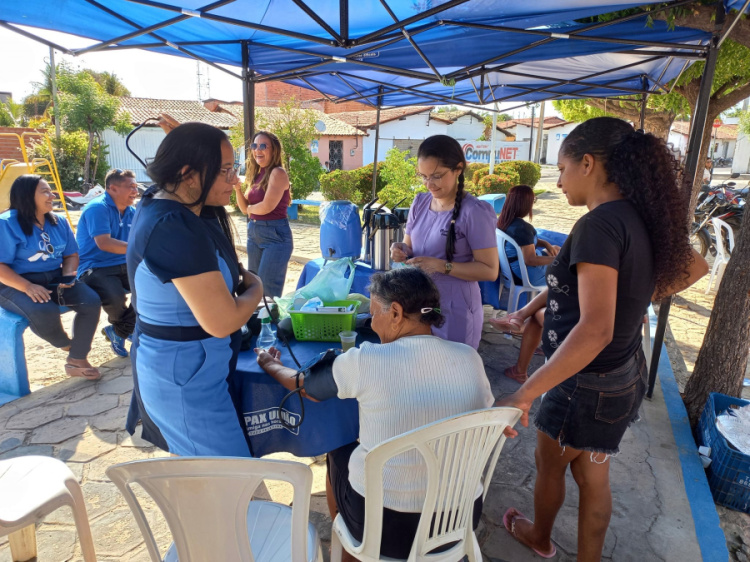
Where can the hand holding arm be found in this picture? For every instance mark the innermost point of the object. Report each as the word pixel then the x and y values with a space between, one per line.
pixel 278 183
pixel 270 362
pixel 484 267
pixel 36 293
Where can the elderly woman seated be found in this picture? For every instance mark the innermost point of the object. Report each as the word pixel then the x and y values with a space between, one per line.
pixel 409 380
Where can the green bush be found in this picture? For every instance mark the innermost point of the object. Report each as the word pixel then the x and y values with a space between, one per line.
pixel 529 172
pixel 496 183
pixel 70 156
pixel 471 168
pixel 399 175
pixel 479 173
pixel 351 185
pixel 471 187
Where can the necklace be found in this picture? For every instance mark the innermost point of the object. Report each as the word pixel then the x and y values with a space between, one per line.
pixel 443 206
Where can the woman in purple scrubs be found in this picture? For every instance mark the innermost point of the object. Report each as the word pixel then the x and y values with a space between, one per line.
pixel 451 236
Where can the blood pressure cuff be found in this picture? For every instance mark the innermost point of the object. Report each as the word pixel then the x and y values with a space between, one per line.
pixel 319 382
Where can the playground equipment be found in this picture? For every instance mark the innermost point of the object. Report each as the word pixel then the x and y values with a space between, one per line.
pixel 11 168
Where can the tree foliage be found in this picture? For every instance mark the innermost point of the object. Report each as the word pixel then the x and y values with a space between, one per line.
pixel 109 82
pixel 399 173
pixel 70 156
pixel 11 114
pixel 85 106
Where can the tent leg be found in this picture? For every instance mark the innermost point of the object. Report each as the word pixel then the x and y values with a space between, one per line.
pixel 248 97
pixel 691 165
pixel 377 137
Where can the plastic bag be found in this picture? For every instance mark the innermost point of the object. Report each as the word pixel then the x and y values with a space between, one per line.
pixel 338 214
pixel 332 283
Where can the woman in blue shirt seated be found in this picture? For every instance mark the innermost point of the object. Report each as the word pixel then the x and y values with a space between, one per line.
pixel 38 262
pixel 191 297
pixel 537 254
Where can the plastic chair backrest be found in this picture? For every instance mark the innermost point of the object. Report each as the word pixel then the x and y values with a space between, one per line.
pixel 205 501
pixel 460 453
pixel 502 239
pixel 721 251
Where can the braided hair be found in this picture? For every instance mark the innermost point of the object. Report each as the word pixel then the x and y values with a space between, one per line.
pixel 449 153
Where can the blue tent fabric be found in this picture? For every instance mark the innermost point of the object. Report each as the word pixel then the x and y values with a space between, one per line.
pixel 342 59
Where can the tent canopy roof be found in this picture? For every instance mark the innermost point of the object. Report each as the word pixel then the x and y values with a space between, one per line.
pixel 424 51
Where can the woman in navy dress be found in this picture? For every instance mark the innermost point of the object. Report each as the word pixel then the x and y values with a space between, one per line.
pixel 184 275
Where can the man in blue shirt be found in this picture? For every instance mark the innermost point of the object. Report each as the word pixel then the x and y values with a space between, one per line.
pixel 102 237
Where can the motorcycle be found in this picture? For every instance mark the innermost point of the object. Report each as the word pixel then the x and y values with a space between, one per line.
pixel 721 202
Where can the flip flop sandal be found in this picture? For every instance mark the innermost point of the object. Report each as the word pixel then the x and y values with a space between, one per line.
pixel 513 374
pixel 88 373
pixel 509 520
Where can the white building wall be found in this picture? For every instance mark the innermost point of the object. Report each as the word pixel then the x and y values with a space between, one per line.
pixel 468 127
pixel 678 142
pixel 144 143
pixel 741 161
pixel 555 138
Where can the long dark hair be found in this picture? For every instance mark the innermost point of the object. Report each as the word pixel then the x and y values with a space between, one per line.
pixel 447 150
pixel 276 160
pixel 22 200
pixel 197 146
pixel 646 173
pixel 413 290
pixel 518 204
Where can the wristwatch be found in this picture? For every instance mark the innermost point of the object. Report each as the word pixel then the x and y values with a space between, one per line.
pixel 448 268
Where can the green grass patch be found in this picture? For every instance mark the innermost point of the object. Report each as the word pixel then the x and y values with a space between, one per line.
pixel 539 190
pixel 308 214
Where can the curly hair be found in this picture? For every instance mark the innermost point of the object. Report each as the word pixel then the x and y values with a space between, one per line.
pixel 412 289
pixel 646 173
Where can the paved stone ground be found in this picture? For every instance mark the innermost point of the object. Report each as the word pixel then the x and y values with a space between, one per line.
pixel 82 423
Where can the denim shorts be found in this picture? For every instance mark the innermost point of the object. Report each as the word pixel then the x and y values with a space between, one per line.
pixel 591 411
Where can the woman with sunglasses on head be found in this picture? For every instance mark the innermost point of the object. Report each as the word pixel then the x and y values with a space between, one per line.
pixel 269 238
pixel 191 297
pixel 631 247
pixel 451 236
pixel 38 262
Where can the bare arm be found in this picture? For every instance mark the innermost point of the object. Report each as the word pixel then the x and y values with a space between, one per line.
pixel 217 311
pixel 241 199
pixel 531 259
pixel 597 290
pixel 698 268
pixel 484 267
pixel 278 183
pixel 270 362
pixel 106 243
pixel 70 264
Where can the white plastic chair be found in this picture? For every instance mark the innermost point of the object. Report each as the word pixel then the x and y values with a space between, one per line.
pixel 515 290
pixel 460 453
pixel 206 502
pixel 32 487
pixel 722 254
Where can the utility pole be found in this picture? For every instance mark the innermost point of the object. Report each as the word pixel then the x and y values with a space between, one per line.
pixel 493 139
pixel 531 129
pixel 53 79
pixel 539 136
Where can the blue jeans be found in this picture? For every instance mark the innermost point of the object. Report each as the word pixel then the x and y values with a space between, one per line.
pixel 44 317
pixel 269 248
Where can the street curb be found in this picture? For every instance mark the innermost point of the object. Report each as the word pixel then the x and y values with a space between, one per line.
pixel 708 531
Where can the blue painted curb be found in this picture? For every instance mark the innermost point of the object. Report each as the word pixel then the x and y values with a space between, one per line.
pixel 710 536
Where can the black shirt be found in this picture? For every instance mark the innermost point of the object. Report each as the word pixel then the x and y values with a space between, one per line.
pixel 613 234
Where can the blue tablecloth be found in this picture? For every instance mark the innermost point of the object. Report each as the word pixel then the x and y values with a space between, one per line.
pixel 326 425
pixel 491 289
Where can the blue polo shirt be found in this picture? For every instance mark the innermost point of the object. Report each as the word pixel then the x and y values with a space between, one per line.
pixel 33 254
pixel 101 216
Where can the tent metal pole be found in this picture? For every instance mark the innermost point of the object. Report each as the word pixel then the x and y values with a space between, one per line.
pixel 493 138
pixel 691 165
pixel 248 97
pixel 539 135
pixel 644 98
pixel 531 129
pixel 344 21
pixel 36 38
pixel 377 137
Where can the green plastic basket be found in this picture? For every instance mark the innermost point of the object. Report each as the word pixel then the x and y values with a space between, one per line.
pixel 311 326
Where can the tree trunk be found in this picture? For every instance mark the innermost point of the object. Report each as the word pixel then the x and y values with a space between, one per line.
pixel 722 360
pixel 98 156
pixel 87 162
pixel 657 123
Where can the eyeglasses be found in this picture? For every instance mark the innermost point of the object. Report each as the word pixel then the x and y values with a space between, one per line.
pixel 434 178
pixel 45 246
pixel 231 173
pixel 256 146
pixel 60 299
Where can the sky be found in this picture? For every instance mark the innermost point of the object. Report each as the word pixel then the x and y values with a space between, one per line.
pixel 145 74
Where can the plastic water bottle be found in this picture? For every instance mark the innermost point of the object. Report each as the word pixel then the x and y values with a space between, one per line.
pixel 267 337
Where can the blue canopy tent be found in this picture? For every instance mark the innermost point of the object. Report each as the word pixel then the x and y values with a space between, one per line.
pixel 467 52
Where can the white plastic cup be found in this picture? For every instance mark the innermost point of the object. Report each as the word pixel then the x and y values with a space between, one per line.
pixel 348 340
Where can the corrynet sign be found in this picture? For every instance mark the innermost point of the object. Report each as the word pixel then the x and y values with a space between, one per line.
pixel 479 151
